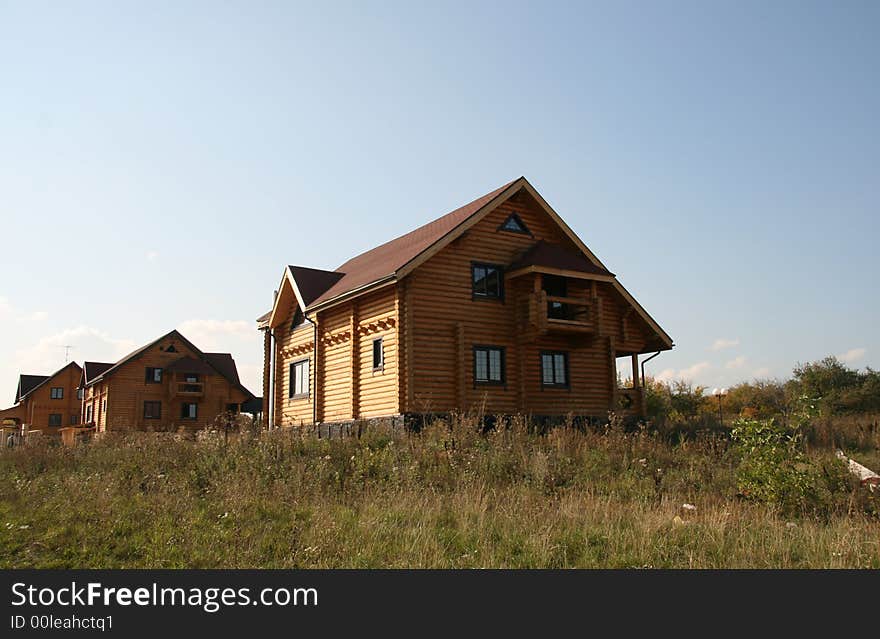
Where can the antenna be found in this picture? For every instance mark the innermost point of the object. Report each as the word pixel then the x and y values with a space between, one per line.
pixel 66 348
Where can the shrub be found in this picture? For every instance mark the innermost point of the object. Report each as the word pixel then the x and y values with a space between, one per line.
pixel 774 469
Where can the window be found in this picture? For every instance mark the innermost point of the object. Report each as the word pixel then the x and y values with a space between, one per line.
pixel 104 406
pixel 55 419
pixel 189 410
pixel 57 392
pixel 488 365
pixel 88 413
pixel 152 410
pixel 514 224
pixel 74 420
pixel 79 393
pixel 154 376
pixel 378 354
pixel 299 379
pixel 554 369
pixel 191 378
pixel 487 281
pixel 170 349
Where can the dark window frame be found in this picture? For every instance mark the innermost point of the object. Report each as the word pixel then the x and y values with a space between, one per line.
pixel 153 404
pixel 381 365
pixel 56 419
pixel 489 381
pixel 499 269
pixel 56 392
pixel 291 394
pixel 150 375
pixel 567 367
pixel 74 420
pixel 523 230
pixel 184 414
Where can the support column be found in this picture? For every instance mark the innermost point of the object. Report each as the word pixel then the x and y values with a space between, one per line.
pixel 355 359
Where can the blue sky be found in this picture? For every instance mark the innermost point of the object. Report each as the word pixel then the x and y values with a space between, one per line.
pixel 160 162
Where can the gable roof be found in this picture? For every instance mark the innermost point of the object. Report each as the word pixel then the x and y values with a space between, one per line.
pixel 222 363
pixel 397 258
pixel 92 370
pixel 555 256
pixel 27 384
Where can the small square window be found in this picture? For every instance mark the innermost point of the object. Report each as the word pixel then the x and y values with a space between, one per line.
pixel 153 410
pixel 55 419
pixel 57 392
pixel 74 420
pixel 153 376
pixel 189 410
pixel 378 354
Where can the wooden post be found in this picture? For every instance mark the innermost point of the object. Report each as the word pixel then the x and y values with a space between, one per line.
pixel 460 376
pixel 354 354
pixel 635 367
pixel 612 353
pixel 317 373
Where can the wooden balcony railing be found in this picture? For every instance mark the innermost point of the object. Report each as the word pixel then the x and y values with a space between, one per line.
pixel 188 389
pixel 555 314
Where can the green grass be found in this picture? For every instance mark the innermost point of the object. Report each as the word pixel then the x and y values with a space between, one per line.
pixel 446 498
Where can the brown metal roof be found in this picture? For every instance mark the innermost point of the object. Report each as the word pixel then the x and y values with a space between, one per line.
pixel 92 370
pixel 190 365
pixel 225 365
pixel 383 261
pixel 555 256
pixel 27 383
pixel 221 362
pixel 313 282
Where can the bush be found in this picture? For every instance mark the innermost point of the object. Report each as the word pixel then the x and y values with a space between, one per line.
pixel 773 469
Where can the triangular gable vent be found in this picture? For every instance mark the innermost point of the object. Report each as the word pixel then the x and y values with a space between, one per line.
pixel 514 224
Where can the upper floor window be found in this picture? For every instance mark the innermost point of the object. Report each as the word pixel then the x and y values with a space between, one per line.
pixel 154 376
pixel 299 379
pixel 378 354
pixel 487 281
pixel 191 378
pixel 488 365
pixel 554 368
pixel 57 392
pixel 514 224
pixel 79 393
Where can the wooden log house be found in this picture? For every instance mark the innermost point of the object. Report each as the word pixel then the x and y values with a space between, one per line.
pixel 167 384
pixel 46 403
pixel 497 306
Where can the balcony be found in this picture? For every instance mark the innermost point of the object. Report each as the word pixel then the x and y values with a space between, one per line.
pixel 554 314
pixel 187 389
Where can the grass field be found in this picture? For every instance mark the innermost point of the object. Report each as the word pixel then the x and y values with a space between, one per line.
pixel 445 498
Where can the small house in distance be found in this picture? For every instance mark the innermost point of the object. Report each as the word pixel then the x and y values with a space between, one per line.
pixel 46 403
pixel 497 306
pixel 166 385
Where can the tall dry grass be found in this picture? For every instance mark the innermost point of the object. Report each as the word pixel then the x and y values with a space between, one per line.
pixel 448 497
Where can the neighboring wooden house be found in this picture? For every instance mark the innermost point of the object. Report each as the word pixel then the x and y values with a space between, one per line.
pixel 46 402
pixel 167 384
pixel 497 306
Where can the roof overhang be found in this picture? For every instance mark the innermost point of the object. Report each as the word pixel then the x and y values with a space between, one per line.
pixel 549 270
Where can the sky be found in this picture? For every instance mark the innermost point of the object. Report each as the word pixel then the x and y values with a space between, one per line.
pixel 160 162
